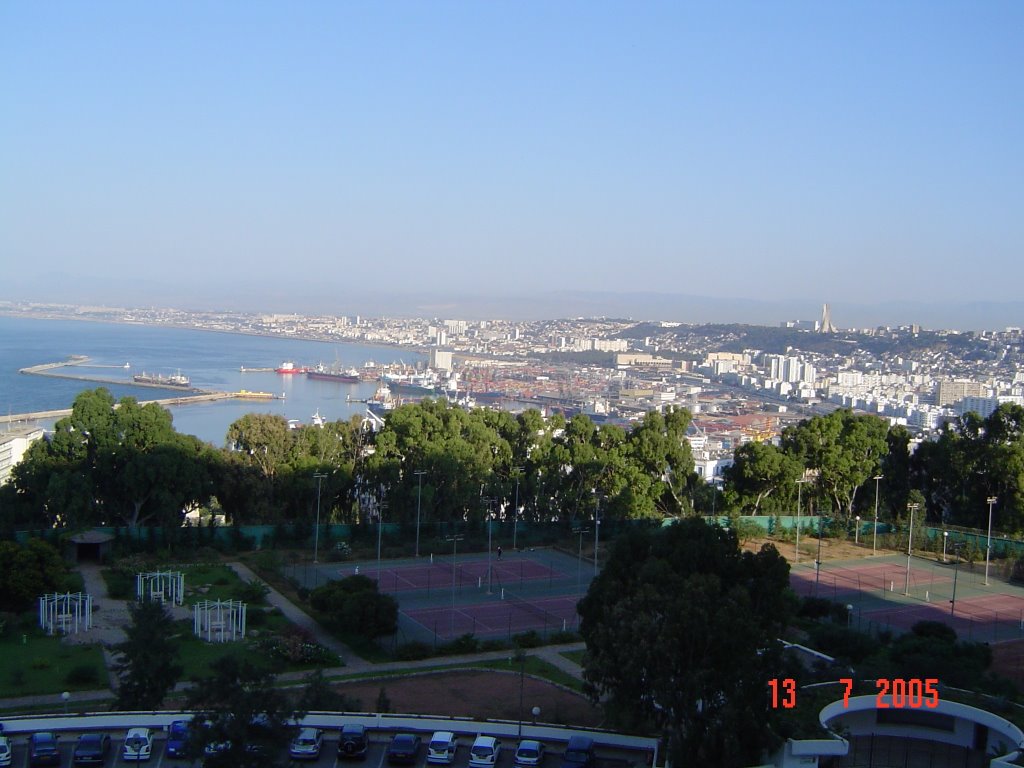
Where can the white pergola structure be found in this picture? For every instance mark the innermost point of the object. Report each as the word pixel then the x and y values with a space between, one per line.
pixel 68 612
pixel 162 586
pixel 218 621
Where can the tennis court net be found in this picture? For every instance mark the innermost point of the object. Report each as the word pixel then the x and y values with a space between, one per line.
pixel 549 619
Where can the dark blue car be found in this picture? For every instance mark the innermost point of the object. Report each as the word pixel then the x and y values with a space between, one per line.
pixel 43 750
pixel 177 739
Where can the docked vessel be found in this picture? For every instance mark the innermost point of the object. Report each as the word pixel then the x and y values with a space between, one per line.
pixel 175 380
pixel 288 368
pixel 382 401
pixel 341 376
pixel 414 382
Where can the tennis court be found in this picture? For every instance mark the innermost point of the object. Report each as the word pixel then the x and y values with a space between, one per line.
pixel 882 594
pixel 441 598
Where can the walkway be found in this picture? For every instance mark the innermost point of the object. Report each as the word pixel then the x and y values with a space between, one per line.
pixel 113 614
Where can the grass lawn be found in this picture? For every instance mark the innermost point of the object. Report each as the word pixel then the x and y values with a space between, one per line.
pixel 45 665
pixel 215 582
pixel 534 666
pixel 575 656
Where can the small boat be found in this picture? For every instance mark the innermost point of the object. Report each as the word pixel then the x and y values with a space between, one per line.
pixel 288 368
pixel 318 420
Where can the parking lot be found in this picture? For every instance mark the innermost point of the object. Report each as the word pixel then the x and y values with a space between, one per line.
pixel 375 756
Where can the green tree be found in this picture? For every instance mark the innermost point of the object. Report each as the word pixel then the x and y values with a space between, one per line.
pixel 146 665
pixel 243 712
pixel 318 695
pixel 28 571
pixel 758 471
pixel 680 628
pixel 355 604
pixel 846 449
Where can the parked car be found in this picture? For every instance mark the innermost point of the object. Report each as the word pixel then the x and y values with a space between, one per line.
pixel 5 749
pixel 177 739
pixel 529 753
pixel 579 753
pixel 441 748
pixel 352 740
pixel 138 745
pixel 307 744
pixel 484 752
pixel 42 749
pixel 91 748
pixel 404 748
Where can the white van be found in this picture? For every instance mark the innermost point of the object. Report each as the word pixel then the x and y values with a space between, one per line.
pixel 441 748
pixel 484 752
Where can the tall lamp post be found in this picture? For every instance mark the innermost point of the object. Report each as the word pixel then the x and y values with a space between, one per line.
pixel 487 501
pixel 856 532
pixel 316 531
pixel 874 537
pixel 991 500
pixel 597 528
pixel 945 539
pixel 913 507
pixel 956 572
pixel 455 553
pixel 799 500
pixel 579 562
pixel 381 506
pixel 419 499
pixel 515 510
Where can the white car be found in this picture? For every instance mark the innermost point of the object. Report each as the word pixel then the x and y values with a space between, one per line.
pixel 138 744
pixel 441 748
pixel 484 752
pixel 307 745
pixel 5 750
pixel 529 754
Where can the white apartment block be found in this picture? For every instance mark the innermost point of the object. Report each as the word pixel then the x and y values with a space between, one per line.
pixel 13 445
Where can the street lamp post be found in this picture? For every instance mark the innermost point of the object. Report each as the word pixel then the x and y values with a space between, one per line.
pixel 381 506
pixel 579 563
pixel 419 499
pixel 956 572
pixel 991 500
pixel 817 559
pixel 799 499
pixel 316 531
pixel 874 537
pixel 455 554
pixel 521 658
pixel 487 501
pixel 856 532
pixel 945 539
pixel 913 507
pixel 597 529
pixel 515 511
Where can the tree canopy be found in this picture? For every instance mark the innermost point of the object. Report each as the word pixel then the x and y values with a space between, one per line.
pixel 681 631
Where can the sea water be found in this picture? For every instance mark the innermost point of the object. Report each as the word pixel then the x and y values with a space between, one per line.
pixel 212 360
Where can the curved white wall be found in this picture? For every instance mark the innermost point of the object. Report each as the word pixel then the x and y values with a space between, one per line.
pixel 858 716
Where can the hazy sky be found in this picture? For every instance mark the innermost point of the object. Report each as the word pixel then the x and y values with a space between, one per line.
pixel 828 151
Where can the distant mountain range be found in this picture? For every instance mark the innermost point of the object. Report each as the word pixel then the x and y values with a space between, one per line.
pixel 316 298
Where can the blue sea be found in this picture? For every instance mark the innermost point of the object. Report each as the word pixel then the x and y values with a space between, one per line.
pixel 211 359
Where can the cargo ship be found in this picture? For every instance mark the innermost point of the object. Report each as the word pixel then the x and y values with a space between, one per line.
pixel 321 373
pixel 175 380
pixel 288 367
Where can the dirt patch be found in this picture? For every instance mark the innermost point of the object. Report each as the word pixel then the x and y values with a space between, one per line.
pixel 831 549
pixel 477 694
pixel 1008 661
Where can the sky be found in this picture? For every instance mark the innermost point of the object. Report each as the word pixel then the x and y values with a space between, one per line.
pixel 289 154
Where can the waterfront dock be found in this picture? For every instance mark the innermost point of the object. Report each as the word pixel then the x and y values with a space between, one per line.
pixel 200 397
pixel 53 370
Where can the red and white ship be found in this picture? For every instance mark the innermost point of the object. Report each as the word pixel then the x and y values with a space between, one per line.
pixel 288 367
